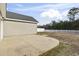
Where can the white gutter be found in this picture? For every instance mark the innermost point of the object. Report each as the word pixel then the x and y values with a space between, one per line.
pixel 20 20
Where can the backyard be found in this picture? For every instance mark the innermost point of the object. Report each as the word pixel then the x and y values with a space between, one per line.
pixel 69 44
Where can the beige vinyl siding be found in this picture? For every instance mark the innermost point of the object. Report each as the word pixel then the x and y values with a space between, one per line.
pixel 0 27
pixel 18 28
pixel 3 9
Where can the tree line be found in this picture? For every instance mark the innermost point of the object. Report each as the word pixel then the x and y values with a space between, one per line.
pixel 71 24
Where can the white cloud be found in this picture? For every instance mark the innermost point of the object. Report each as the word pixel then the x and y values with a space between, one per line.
pixel 51 13
pixel 64 15
pixel 19 5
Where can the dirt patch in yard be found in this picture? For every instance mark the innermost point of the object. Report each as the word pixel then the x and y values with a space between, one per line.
pixel 69 44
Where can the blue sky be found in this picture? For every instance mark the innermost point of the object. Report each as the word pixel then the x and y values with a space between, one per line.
pixel 43 12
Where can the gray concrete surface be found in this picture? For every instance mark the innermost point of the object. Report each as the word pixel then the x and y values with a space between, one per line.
pixel 28 45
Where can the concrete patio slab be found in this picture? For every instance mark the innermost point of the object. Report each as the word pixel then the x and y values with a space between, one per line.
pixel 29 45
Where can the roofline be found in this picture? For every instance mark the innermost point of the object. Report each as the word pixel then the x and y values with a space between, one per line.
pixel 17 20
pixel 22 15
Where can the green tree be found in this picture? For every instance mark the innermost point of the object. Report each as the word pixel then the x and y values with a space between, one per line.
pixel 72 12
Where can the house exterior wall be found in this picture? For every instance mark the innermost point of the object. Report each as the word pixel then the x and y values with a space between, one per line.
pixel 0 28
pixel 3 9
pixel 3 12
pixel 18 28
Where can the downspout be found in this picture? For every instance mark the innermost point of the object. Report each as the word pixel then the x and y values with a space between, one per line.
pixel 2 18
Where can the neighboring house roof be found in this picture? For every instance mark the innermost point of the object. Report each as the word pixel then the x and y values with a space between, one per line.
pixel 19 16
